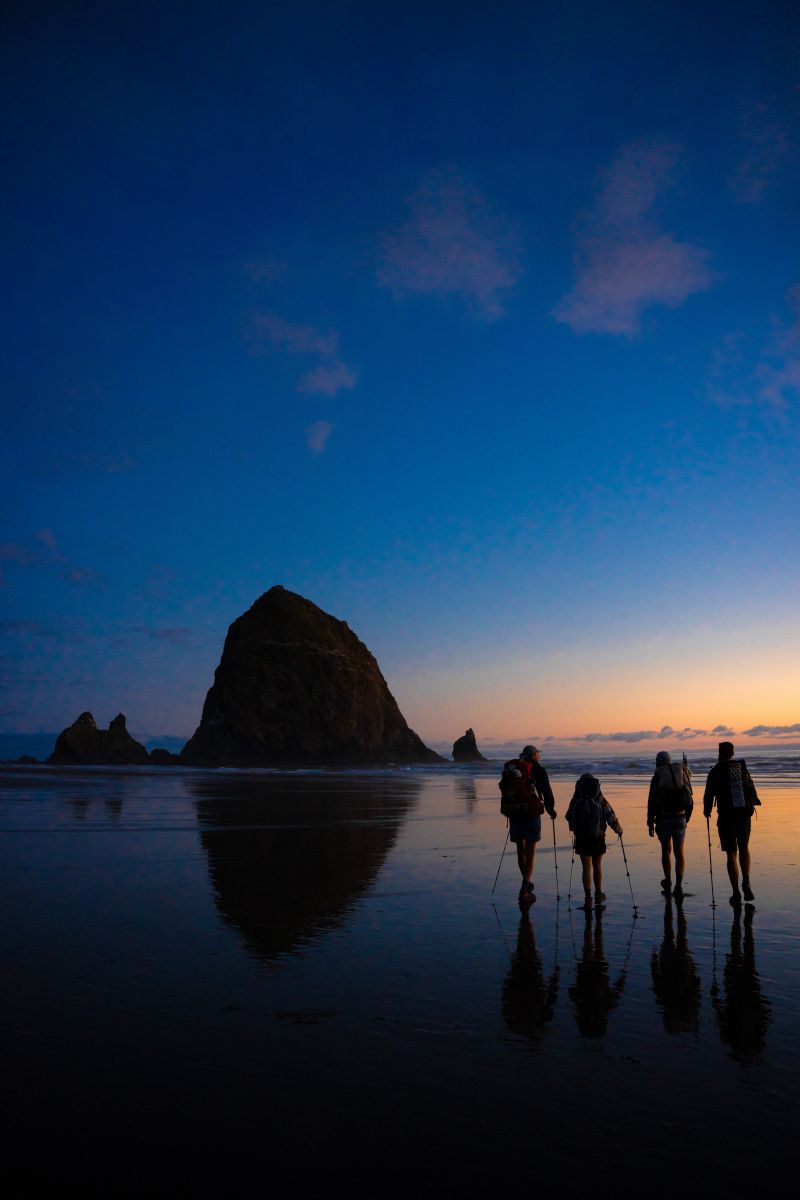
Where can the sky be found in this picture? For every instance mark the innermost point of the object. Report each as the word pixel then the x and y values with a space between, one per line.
pixel 477 324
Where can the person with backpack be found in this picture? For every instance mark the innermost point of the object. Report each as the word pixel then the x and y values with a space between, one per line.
pixel 729 786
pixel 523 805
pixel 588 816
pixel 669 808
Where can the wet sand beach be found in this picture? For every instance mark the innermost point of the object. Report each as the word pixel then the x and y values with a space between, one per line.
pixel 218 977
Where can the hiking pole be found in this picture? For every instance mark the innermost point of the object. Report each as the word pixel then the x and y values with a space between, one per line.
pixel 502 856
pixel 571 865
pixel 555 858
pixel 627 872
pixel 710 867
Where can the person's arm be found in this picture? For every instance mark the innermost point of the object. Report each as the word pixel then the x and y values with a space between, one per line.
pixel 708 794
pixel 651 808
pixel 549 799
pixel 611 817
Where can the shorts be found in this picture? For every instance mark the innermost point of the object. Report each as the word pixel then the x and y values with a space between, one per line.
pixel 669 826
pixel 590 845
pixel 734 830
pixel 525 829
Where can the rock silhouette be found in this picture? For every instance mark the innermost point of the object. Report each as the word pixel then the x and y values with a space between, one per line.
pixel 295 686
pixel 465 749
pixel 84 743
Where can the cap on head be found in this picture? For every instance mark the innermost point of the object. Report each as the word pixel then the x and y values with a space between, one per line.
pixel 663 758
pixel 726 749
pixel 528 752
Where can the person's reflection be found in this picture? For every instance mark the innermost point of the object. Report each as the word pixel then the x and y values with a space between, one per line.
pixel 592 994
pixel 676 982
pixel 529 999
pixel 113 809
pixel 743 1012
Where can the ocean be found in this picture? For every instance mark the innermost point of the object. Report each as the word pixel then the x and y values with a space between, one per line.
pixel 216 979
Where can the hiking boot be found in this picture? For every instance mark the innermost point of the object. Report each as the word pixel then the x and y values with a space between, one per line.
pixel 599 897
pixel 529 886
pixel 747 892
pixel 666 886
pixel 736 900
pixel 587 902
pixel 678 889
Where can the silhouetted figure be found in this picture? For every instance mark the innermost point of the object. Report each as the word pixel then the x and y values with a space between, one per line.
pixel 588 816
pixel 669 810
pixel 676 983
pixel 743 1013
pixel 529 999
pixel 730 787
pixel 593 995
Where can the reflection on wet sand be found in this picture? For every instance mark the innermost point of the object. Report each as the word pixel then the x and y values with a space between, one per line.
pixel 742 1011
pixel 288 857
pixel 676 982
pixel 529 999
pixel 592 994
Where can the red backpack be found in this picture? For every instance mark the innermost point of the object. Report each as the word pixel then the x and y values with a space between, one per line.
pixel 518 793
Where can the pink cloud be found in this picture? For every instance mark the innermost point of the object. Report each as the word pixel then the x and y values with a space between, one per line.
pixel 327 379
pixel 272 332
pixel 317 436
pixel 452 245
pixel 774 380
pixel 329 376
pixel 768 147
pixel 624 261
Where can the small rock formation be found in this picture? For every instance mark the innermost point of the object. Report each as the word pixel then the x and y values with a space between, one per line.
pixel 465 749
pixel 160 757
pixel 296 687
pixel 84 743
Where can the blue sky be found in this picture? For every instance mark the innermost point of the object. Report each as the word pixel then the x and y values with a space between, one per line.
pixel 478 325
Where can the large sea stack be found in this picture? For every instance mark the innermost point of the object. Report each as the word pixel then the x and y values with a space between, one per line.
pixel 465 749
pixel 296 687
pixel 83 742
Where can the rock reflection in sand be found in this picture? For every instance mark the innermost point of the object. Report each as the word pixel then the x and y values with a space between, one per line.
pixel 289 858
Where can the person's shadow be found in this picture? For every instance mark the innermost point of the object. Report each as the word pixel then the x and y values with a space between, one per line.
pixel 593 995
pixel 529 997
pixel 742 1011
pixel 676 982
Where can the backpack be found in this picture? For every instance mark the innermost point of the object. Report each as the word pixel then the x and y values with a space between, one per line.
pixel 673 781
pixel 586 810
pixel 518 794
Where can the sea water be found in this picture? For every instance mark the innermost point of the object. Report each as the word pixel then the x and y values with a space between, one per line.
pixel 214 978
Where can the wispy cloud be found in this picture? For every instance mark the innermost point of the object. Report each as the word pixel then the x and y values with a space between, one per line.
pixel 453 245
pixel 625 262
pixel 264 270
pixel 21 555
pixel 723 731
pixel 84 577
pixel 317 436
pixel 269 332
pixel 773 731
pixel 177 635
pixel 768 147
pixel 327 379
pixel 740 375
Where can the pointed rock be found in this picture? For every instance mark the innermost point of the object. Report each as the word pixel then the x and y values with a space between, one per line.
pixel 296 687
pixel 84 743
pixel 465 749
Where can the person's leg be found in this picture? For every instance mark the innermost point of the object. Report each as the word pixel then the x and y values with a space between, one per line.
pixel 680 862
pixel 666 865
pixel 733 873
pixel 597 871
pixel 586 871
pixel 744 859
pixel 530 852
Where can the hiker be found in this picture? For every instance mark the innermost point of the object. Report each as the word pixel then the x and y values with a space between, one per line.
pixel 588 816
pixel 593 995
pixel 669 808
pixel 540 778
pixel 523 805
pixel 730 785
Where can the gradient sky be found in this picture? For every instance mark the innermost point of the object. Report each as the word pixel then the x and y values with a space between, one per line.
pixel 477 324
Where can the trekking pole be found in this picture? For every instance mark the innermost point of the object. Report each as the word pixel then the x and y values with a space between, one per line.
pixel 571 865
pixel 555 858
pixel 627 872
pixel 502 856
pixel 710 867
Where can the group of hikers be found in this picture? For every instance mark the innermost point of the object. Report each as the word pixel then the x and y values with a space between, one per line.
pixel 526 794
